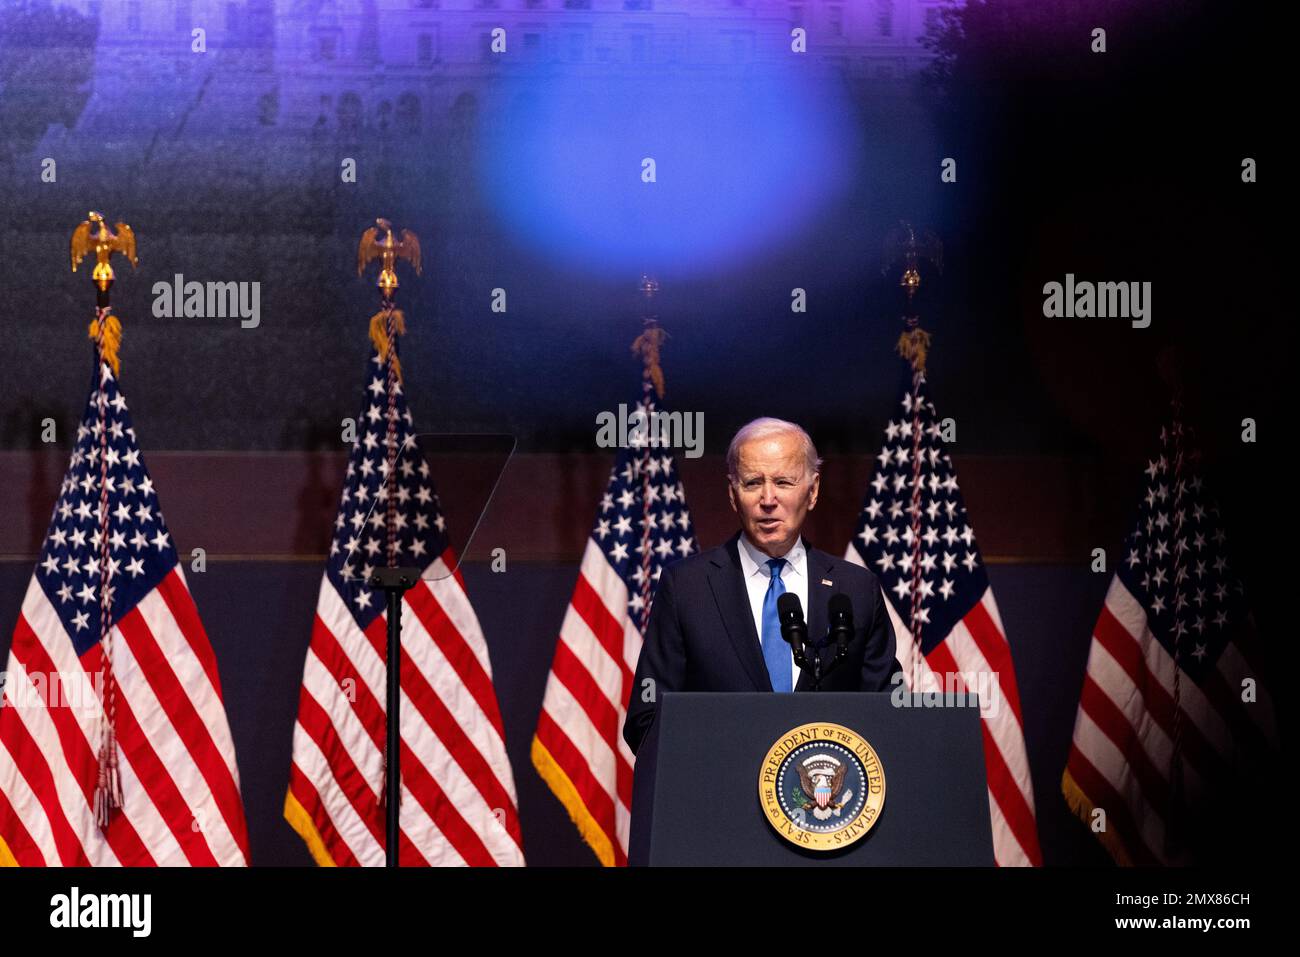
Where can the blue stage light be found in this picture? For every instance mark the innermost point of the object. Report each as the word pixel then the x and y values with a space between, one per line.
pixel 741 166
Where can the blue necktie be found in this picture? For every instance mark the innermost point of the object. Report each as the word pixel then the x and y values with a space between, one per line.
pixel 775 650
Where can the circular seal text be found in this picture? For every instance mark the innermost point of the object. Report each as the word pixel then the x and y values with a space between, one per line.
pixel 821 786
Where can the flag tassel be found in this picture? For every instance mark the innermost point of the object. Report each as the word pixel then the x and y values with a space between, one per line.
pixel 380 337
pixel 106 331
pixel 108 789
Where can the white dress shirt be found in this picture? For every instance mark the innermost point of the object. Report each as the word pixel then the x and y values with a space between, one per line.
pixel 794 576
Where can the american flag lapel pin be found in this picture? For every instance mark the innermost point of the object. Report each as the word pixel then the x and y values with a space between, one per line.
pixel 827 581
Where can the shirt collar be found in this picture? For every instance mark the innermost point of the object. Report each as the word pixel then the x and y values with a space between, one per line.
pixel 752 561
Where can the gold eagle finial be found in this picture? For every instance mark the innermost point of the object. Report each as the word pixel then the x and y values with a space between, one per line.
pixel 94 235
pixel 906 244
pixel 377 242
pixel 388 323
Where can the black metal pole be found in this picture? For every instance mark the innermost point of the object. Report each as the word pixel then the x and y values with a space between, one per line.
pixel 394 582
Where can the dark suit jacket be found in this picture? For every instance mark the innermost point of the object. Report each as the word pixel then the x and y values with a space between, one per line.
pixel 701 634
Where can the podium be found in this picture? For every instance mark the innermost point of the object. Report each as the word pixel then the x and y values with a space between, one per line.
pixel 696 794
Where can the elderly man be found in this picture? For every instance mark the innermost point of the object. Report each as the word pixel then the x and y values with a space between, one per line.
pixel 714 623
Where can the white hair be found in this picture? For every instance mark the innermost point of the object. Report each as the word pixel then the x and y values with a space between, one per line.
pixel 767 427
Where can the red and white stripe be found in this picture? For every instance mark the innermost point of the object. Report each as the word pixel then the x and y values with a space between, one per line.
pixel 180 784
pixel 1125 726
pixel 579 748
pixel 976 657
pixel 458 792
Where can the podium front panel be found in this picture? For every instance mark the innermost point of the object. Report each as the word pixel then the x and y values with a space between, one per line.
pixel 709 749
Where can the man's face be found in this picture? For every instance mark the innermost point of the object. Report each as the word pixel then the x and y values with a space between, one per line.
pixel 773 491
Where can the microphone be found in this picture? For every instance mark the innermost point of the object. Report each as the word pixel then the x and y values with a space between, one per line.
pixel 793 628
pixel 841 630
pixel 840 611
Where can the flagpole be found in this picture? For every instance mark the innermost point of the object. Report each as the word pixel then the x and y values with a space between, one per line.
pixel 1169 364
pixel 94 235
pixel 385 326
pixel 913 345
pixel 647 345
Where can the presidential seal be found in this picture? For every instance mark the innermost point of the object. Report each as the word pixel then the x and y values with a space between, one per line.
pixel 821 786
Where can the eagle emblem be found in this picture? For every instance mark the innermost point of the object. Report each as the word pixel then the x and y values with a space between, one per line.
pixel 821 778
pixel 378 242
pixel 95 236
pixel 821 786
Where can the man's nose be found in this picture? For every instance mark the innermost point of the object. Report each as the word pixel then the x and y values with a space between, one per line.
pixel 768 499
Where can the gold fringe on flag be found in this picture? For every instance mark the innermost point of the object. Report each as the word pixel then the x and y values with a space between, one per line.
pixel 111 343
pixel 1083 809
pixel 913 345
pixel 379 335
pixel 564 789
pixel 302 822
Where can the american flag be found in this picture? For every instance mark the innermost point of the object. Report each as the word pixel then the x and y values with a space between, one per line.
pixel 458 792
pixel 914 533
pixel 642 525
pixel 1163 724
pixel 179 783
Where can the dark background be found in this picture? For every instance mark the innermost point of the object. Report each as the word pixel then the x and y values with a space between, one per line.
pixel 1122 166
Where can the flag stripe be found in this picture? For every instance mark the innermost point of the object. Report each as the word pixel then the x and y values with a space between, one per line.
pixel 429 601
pixel 34 847
pixel 1003 788
pixel 914 534
pixel 467 741
pixel 185 720
pixel 352 784
pixel 427 706
pixel 471 769
pixel 607 630
pixel 34 769
pixel 605 720
pixel 327 847
pixel 605 674
pixel 458 803
pixel 79 760
pixel 442 810
pixel 594 796
pixel 108 551
pixel 641 525
pixel 180 604
pixel 1118 818
pixel 587 739
pixel 1124 648
pixel 997 655
pixel 1163 733
pixel 162 788
pixel 356 842
pixel 1106 716
pixel 428 726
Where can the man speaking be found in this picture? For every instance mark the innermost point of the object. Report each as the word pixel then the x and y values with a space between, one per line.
pixel 715 624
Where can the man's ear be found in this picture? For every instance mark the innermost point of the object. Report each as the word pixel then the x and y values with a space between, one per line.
pixel 731 495
pixel 816 487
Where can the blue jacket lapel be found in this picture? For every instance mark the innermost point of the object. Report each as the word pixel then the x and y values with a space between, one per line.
pixel 727 581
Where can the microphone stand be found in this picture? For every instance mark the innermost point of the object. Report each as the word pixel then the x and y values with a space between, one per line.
pixel 841 652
